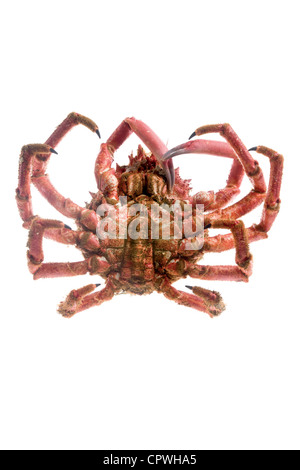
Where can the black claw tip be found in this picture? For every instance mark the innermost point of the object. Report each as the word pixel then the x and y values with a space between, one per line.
pixel 189 287
pixel 53 151
pixel 207 226
pixel 98 133
pixel 67 226
pixel 97 285
pixel 252 149
pixel 192 135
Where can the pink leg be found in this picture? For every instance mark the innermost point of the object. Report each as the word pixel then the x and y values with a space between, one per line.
pixel 73 119
pixel 42 182
pixel 210 199
pixel 33 164
pixel 92 265
pixel 243 257
pixel 107 182
pixel 251 167
pixel 65 235
pixel 213 201
pixel 82 299
pixel 23 192
pixel 270 211
pixel 83 239
pixel 201 299
pixel 148 137
pixel 221 243
pixel 272 202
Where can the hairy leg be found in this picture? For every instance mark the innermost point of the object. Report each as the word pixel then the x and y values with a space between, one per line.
pixel 23 192
pixel 201 299
pixel 83 239
pixel 251 167
pixel 271 208
pixel 92 265
pixel 32 168
pixel 82 299
pixel 210 199
pixel 243 257
pixel 106 179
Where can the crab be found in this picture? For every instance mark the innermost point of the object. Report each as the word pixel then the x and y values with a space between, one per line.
pixel 143 264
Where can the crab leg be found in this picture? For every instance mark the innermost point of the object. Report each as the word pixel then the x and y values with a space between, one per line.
pixel 270 211
pixel 35 255
pixel 201 299
pixel 33 164
pixel 220 243
pixel 148 137
pixel 23 193
pixel 218 273
pixel 107 182
pixel 251 167
pixel 243 257
pixel 272 202
pixel 83 239
pixel 62 233
pixel 216 200
pixel 210 199
pixel 82 299
pixel 72 120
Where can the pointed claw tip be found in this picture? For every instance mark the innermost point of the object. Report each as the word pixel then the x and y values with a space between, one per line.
pixel 192 135
pixel 67 226
pixel 97 285
pixel 98 133
pixel 207 226
pixel 253 149
pixel 53 151
pixel 189 287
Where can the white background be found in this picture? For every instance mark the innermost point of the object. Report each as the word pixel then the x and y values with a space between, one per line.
pixel 143 372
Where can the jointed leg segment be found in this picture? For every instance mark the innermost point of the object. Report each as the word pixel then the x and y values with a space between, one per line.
pixel 150 139
pixel 33 164
pixel 93 265
pixel 210 199
pixel 210 301
pixel 270 210
pixel 253 171
pixel 201 299
pixel 243 257
pixel 82 299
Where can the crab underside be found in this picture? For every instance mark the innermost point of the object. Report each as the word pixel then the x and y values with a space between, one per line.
pixel 122 232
